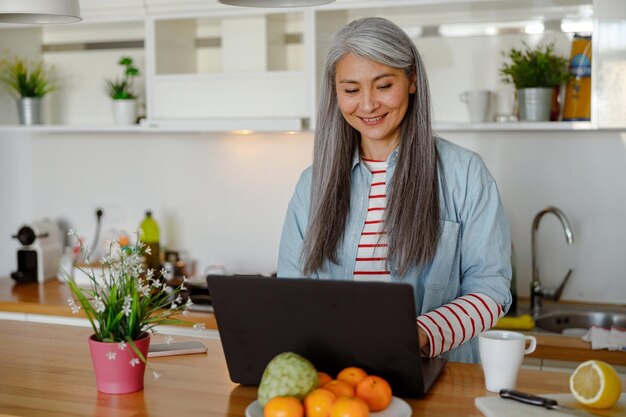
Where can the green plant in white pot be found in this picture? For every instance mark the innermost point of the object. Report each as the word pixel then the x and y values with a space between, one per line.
pixel 28 81
pixel 535 74
pixel 121 90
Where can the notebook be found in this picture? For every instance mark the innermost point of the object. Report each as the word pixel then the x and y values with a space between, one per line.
pixel 332 323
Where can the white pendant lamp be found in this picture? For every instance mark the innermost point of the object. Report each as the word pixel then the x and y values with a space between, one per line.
pixel 39 11
pixel 275 3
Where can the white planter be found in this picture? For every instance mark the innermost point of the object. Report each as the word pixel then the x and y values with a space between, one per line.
pixel 125 112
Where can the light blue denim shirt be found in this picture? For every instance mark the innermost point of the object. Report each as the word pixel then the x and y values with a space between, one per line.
pixel 473 253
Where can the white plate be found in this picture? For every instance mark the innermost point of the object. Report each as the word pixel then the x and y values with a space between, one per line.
pixel 397 408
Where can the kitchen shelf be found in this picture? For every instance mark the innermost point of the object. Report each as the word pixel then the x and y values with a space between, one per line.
pixel 237 126
pixel 514 126
pixel 243 126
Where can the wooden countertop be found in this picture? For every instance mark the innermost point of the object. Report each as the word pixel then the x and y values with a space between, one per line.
pixel 51 297
pixel 46 371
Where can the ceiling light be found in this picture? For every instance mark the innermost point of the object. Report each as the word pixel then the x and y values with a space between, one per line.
pixel 577 25
pixel 275 3
pixel 534 28
pixel 39 11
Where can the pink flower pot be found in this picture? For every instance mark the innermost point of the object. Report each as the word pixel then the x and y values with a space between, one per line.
pixel 118 368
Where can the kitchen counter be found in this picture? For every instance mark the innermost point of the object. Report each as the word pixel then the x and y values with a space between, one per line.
pixel 51 297
pixel 46 371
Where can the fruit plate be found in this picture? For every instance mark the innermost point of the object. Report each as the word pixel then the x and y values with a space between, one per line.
pixel 397 408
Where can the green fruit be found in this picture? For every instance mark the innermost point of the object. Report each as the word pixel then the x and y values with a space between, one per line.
pixel 288 374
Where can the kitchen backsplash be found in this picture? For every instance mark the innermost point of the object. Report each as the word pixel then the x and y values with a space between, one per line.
pixel 222 198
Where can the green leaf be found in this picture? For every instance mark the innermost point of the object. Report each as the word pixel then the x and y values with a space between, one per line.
pixel 538 67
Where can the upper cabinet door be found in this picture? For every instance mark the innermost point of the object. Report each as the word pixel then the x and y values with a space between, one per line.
pixel 236 66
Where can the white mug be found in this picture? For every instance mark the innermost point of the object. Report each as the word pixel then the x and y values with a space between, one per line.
pixel 478 104
pixel 501 355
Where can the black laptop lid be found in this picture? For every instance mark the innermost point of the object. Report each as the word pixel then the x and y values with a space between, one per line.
pixel 334 324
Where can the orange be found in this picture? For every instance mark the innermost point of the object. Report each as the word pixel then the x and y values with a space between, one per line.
pixel 352 375
pixel 283 407
pixel 375 391
pixel 349 407
pixel 339 388
pixel 323 377
pixel 318 402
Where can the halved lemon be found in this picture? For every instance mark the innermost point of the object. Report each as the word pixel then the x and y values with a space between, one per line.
pixel 595 384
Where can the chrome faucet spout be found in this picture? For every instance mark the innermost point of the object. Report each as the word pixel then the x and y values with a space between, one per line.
pixel 537 290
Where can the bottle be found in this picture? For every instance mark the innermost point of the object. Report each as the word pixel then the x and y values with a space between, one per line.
pixel 578 92
pixel 150 237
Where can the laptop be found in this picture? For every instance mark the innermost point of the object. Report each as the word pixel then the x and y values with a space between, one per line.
pixel 332 323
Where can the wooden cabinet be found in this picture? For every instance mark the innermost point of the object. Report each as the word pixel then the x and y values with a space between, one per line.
pixel 207 66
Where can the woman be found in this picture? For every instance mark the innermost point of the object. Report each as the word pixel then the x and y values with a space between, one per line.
pixel 386 200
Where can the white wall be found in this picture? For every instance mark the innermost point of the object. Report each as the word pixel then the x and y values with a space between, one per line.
pixel 222 198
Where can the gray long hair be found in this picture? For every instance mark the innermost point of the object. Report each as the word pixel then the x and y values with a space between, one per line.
pixel 412 214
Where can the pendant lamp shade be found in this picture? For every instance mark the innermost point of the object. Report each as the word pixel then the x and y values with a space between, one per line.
pixel 39 11
pixel 275 3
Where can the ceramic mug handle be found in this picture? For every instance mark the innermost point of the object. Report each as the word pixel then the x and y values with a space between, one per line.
pixel 533 344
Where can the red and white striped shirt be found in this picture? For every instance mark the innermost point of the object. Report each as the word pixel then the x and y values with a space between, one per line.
pixel 459 321
pixel 447 326
pixel 371 258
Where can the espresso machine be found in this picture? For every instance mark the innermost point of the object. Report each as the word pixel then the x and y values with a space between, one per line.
pixel 42 247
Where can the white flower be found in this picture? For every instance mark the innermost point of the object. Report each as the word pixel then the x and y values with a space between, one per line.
pixel 126 310
pixel 156 284
pixel 199 326
pixel 163 272
pixel 145 290
pixel 75 308
pixel 178 299
pixel 126 306
pixel 168 339
pixel 121 345
pixel 155 375
pixel 99 304
pixel 148 251
pixel 134 361
pixel 185 279
pixel 111 355
pixel 185 312
pixel 189 303
pixel 150 273
pixel 174 306
pixel 182 287
pixel 70 232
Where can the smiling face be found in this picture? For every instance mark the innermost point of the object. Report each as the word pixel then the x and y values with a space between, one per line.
pixel 373 98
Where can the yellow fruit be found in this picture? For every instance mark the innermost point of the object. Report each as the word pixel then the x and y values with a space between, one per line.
pixel 595 384
pixel 349 407
pixel 318 402
pixel 352 375
pixel 283 407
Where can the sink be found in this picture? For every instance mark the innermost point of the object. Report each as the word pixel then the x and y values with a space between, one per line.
pixel 578 321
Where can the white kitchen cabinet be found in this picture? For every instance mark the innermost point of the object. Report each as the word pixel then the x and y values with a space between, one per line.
pixel 209 67
pixel 243 66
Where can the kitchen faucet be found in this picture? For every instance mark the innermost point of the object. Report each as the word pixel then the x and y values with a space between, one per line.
pixel 537 290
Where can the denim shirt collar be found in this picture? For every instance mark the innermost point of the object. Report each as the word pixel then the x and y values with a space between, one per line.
pixel 391 159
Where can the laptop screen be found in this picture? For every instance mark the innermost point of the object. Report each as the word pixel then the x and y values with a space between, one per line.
pixel 333 323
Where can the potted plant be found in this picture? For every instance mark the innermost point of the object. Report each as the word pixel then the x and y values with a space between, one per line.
pixel 28 81
pixel 536 73
pixel 121 90
pixel 123 302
